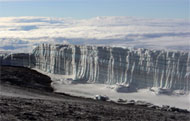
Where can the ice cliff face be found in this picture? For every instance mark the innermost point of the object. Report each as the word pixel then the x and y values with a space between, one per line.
pixel 140 68
pixel 18 59
pixel 133 67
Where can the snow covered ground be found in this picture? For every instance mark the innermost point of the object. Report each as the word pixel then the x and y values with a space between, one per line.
pixel 62 83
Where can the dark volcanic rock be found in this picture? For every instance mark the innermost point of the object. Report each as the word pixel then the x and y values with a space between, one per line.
pixel 25 77
pixel 48 106
pixel 78 109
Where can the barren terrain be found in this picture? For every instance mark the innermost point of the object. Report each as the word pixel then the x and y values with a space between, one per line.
pixel 27 95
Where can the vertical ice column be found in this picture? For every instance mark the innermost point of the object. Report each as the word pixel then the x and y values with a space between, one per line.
pixel 111 65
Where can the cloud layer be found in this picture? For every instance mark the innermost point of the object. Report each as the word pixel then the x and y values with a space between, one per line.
pixel 22 33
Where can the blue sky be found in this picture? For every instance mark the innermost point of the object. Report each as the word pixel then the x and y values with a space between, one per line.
pixel 80 9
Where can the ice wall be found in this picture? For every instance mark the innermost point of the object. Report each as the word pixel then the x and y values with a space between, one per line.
pixel 18 59
pixel 141 68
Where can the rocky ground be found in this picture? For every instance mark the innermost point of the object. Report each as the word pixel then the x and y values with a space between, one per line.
pixel 27 95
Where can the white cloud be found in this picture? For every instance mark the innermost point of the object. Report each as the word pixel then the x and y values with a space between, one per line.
pixel 129 31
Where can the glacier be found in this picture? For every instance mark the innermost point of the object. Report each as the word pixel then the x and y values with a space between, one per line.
pixel 134 68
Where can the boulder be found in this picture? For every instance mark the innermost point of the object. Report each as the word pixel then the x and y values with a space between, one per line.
pixel 102 98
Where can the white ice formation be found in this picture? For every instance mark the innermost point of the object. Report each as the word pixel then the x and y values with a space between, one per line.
pixel 139 68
